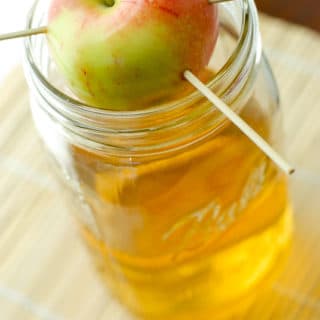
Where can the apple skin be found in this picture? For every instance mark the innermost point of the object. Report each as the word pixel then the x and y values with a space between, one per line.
pixel 132 54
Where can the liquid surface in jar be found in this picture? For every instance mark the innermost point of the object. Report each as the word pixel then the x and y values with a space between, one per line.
pixel 195 231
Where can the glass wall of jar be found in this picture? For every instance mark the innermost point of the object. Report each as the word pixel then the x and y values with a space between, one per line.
pixel 181 212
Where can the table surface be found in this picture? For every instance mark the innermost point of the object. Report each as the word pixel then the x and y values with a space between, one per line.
pixel 46 274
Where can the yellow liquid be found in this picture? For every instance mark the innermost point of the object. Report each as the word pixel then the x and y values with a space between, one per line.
pixel 188 235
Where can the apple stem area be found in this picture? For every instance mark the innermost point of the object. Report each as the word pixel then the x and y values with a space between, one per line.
pixel 109 3
pixel 218 1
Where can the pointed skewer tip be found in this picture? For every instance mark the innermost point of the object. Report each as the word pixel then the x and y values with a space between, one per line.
pixel 240 123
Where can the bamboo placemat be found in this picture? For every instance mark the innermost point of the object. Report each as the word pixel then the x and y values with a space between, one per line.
pixel 46 274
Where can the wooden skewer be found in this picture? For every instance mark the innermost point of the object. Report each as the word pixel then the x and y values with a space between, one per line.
pixel 241 124
pixel 23 33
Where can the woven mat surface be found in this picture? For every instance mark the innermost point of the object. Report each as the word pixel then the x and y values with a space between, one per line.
pixel 46 274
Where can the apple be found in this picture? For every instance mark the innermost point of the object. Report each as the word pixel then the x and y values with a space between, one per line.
pixel 129 54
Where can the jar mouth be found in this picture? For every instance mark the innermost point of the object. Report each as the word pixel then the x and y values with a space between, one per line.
pixel 222 76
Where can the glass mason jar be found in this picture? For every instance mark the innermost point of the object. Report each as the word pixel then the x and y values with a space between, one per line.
pixel 181 212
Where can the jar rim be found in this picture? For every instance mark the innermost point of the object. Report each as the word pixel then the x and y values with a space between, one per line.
pixel 77 106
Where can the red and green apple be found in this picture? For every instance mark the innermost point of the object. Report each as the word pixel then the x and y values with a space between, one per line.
pixel 127 54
